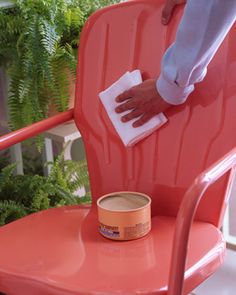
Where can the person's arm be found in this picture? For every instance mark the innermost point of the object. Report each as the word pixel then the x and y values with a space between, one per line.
pixel 202 29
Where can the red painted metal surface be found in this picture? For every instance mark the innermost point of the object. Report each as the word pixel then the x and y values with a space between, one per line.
pixel 60 251
pixel 197 134
pixel 186 214
pixel 34 129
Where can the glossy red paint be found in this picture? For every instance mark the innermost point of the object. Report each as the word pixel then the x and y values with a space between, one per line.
pixel 180 166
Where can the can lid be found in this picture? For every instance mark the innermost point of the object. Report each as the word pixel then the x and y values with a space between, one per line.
pixel 124 201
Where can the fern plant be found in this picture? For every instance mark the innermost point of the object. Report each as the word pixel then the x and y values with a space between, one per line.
pixel 24 194
pixel 9 211
pixel 38 42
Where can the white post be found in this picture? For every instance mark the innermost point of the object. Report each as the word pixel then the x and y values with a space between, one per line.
pixel 47 155
pixel 16 157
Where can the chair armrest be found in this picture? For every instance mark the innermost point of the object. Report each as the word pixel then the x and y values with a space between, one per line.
pixel 34 129
pixel 185 217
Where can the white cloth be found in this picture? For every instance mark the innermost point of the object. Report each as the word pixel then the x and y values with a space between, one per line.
pixel 204 25
pixel 128 134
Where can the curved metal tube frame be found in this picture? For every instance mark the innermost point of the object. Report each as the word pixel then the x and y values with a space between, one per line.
pixel 34 129
pixel 185 218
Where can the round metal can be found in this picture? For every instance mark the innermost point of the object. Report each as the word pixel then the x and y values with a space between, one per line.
pixel 124 215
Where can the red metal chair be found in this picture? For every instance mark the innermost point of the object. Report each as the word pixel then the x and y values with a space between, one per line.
pixel 186 167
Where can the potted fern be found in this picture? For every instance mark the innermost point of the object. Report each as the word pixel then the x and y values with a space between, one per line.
pixel 21 195
pixel 38 48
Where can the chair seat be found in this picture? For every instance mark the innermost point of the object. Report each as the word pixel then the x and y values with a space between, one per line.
pixel 59 251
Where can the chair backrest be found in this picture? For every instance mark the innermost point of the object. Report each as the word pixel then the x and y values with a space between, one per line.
pixel 130 36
